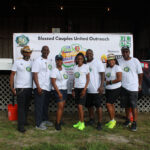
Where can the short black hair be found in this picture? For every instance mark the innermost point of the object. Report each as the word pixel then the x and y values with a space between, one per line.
pixel 80 54
pixel 89 50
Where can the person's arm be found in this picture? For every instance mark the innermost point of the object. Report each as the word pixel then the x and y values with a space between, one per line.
pixel 35 78
pixel 11 82
pixel 86 85
pixel 140 78
pixel 53 81
pixel 118 79
pixel 101 88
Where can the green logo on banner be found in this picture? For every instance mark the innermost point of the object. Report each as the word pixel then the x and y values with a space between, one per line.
pixel 65 76
pixel 50 67
pixel 22 40
pixel 126 69
pixel 108 74
pixel 125 41
pixel 28 69
pixel 77 75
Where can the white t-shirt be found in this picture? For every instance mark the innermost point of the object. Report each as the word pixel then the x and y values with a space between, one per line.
pixel 130 70
pixel 61 77
pixel 110 74
pixel 80 75
pixel 23 77
pixel 44 68
pixel 95 66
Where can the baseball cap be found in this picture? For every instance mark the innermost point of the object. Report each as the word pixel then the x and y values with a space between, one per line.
pixel 125 48
pixel 58 57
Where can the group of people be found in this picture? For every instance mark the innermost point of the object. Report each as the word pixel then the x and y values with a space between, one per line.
pixel 120 77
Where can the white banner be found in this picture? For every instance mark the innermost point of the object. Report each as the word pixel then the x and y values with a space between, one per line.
pixel 69 44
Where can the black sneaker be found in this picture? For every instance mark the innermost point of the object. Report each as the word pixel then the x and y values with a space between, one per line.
pixel 22 130
pixel 127 123
pixel 99 126
pixel 90 122
pixel 62 122
pixel 57 126
pixel 134 126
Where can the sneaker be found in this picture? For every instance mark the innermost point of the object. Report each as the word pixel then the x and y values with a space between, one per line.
pixel 90 122
pixel 41 127
pixel 112 124
pixel 62 122
pixel 81 126
pixel 107 124
pixel 57 126
pixel 99 126
pixel 77 125
pixel 134 126
pixel 127 123
pixel 47 123
pixel 22 130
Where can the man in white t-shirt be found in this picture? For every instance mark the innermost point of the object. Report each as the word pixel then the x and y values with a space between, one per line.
pixel 95 88
pixel 132 76
pixel 41 69
pixel 21 85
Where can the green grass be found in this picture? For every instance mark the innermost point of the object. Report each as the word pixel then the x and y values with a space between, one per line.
pixel 68 138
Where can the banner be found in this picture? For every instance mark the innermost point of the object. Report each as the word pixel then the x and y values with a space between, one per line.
pixel 69 44
pixel 146 77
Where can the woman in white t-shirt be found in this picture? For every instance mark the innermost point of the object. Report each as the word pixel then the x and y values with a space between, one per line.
pixel 59 80
pixel 81 81
pixel 113 75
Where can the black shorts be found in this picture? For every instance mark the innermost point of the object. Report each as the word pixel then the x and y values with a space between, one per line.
pixel 93 100
pixel 63 92
pixel 78 99
pixel 129 98
pixel 112 95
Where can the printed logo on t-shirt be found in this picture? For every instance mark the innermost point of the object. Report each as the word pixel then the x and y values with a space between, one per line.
pixel 108 74
pixel 77 74
pixel 65 76
pixel 90 69
pixel 28 69
pixel 126 69
pixel 50 67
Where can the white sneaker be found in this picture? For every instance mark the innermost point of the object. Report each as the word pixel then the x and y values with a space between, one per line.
pixel 41 127
pixel 47 123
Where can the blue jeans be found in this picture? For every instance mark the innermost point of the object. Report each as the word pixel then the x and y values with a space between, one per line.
pixel 41 106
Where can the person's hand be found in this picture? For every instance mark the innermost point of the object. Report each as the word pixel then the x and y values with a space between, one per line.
pixel 107 82
pixel 13 91
pixel 39 90
pixel 73 94
pixel 83 93
pixel 60 96
pixel 140 88
pixel 100 90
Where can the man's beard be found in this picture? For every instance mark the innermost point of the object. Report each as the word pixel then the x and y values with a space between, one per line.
pixel 26 57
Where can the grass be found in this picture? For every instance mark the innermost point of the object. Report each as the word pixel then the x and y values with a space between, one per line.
pixel 68 138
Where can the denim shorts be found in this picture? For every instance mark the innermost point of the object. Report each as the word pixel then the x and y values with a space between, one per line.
pixel 63 92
